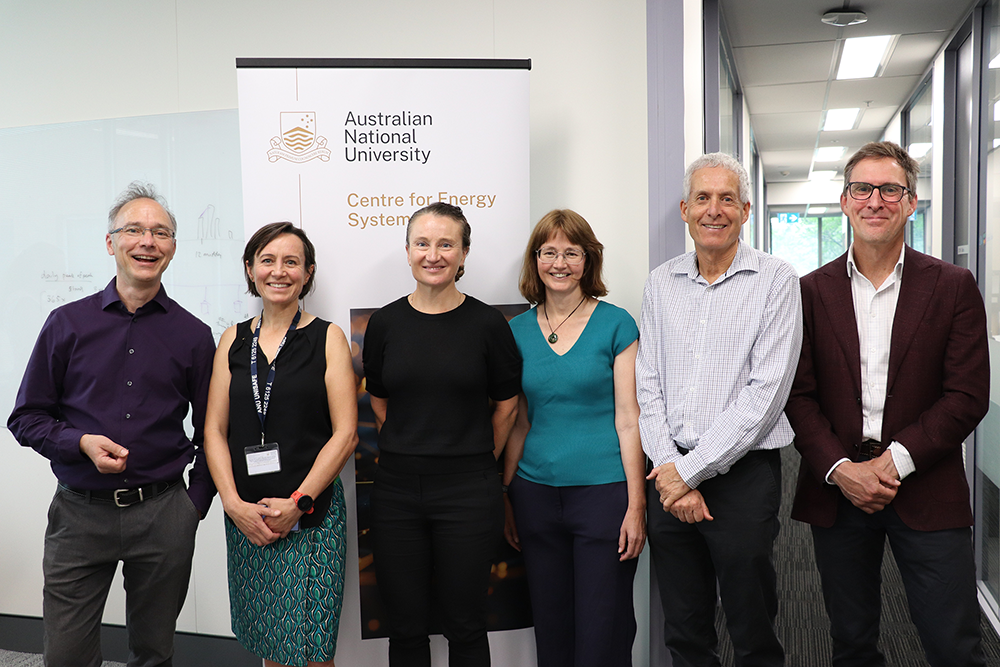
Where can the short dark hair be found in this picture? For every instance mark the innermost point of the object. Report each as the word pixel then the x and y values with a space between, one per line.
pixel 452 212
pixel 578 231
pixel 265 235
pixel 139 190
pixel 881 150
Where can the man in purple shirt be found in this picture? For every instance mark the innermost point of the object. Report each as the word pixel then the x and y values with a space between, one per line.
pixel 104 398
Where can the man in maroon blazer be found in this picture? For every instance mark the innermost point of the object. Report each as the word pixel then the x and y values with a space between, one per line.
pixel 894 374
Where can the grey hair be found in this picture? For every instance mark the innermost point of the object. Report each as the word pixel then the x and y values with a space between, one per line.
pixel 724 160
pixel 138 190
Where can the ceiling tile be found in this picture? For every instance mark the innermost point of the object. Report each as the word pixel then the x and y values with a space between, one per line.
pixel 791 97
pixel 777 123
pixel 786 63
pixel 913 53
pixel 881 92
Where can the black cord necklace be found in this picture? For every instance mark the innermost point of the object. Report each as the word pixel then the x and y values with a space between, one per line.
pixel 553 338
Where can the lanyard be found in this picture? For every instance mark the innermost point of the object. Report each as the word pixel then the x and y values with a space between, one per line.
pixel 262 405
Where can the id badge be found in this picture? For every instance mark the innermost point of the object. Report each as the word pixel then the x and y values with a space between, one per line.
pixel 262 458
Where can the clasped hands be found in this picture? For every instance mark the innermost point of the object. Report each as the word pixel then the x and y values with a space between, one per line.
pixel 869 485
pixel 685 503
pixel 266 521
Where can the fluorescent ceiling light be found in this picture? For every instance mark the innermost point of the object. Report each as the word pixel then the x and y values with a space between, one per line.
pixel 816 210
pixel 840 119
pixel 830 153
pixel 918 150
pixel 861 56
pixel 823 175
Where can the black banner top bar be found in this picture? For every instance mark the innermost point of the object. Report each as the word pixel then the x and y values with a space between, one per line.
pixel 422 63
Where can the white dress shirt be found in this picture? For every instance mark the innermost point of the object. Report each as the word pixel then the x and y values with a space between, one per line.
pixel 716 361
pixel 874 310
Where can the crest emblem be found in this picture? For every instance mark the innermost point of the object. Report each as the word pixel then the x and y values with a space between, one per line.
pixel 298 141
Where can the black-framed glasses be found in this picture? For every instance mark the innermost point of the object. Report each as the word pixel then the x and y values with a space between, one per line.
pixel 137 232
pixel 571 256
pixel 889 192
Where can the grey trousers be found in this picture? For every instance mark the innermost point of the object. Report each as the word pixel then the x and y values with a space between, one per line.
pixel 84 542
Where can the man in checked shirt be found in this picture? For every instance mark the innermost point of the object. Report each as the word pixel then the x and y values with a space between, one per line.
pixel 893 377
pixel 718 345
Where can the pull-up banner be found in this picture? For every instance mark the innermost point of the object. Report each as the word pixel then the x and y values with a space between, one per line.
pixel 348 149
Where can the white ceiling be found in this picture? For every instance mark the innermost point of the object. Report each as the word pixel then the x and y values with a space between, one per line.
pixel 786 61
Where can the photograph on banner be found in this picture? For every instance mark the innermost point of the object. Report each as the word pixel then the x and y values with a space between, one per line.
pixel 507 605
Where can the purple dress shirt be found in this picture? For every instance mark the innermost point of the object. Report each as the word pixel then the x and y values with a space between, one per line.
pixel 97 368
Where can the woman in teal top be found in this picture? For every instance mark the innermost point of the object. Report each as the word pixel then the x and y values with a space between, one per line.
pixel 573 465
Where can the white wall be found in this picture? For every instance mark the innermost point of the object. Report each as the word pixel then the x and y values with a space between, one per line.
pixel 68 61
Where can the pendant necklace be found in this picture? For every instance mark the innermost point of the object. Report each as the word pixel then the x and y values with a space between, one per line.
pixel 553 337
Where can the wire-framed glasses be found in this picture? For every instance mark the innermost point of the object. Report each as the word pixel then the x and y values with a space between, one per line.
pixel 570 255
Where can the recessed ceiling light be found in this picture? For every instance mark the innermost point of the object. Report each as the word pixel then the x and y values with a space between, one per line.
pixel 816 210
pixel 829 153
pixel 844 18
pixel 918 150
pixel 840 119
pixel 823 175
pixel 861 57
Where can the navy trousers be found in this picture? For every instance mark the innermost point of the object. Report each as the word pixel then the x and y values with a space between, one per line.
pixel 939 575
pixel 581 594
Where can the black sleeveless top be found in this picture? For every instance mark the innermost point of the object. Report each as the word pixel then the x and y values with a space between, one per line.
pixel 298 414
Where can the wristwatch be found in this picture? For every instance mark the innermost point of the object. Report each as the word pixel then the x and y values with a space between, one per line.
pixel 303 502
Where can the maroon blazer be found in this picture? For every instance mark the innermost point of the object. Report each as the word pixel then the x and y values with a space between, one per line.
pixel 938 388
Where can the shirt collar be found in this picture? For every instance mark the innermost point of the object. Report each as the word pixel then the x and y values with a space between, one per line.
pixel 110 296
pixel 745 260
pixel 898 269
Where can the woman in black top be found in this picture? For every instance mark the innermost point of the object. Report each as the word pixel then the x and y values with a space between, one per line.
pixel 433 361
pixel 281 422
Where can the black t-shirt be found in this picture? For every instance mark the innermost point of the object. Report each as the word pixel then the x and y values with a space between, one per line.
pixel 438 373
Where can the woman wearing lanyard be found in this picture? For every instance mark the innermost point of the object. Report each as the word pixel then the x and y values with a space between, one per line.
pixel 433 360
pixel 282 420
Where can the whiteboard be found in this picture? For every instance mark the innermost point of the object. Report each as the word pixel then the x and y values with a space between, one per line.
pixel 57 183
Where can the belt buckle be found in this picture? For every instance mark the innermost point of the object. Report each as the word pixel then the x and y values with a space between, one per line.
pixel 118 502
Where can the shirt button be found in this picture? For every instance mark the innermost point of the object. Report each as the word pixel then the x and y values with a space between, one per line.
pixel 131 351
pixel 128 415
pixel 691 390
pixel 129 383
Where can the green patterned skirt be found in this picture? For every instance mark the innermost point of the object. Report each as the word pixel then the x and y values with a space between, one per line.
pixel 285 597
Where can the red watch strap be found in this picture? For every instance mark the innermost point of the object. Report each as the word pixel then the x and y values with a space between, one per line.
pixel 295 498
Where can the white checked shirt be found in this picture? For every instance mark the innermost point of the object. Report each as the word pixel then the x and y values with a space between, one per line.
pixel 716 362
pixel 874 310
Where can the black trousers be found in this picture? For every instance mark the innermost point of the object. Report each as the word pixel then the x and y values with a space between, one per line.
pixel 434 537
pixel 939 574
pixel 731 557
pixel 581 593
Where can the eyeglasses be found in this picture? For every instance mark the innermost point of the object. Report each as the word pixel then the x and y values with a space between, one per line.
pixel 571 256
pixel 137 232
pixel 890 192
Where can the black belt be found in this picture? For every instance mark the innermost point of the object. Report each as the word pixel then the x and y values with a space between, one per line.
pixel 124 497
pixel 869 449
